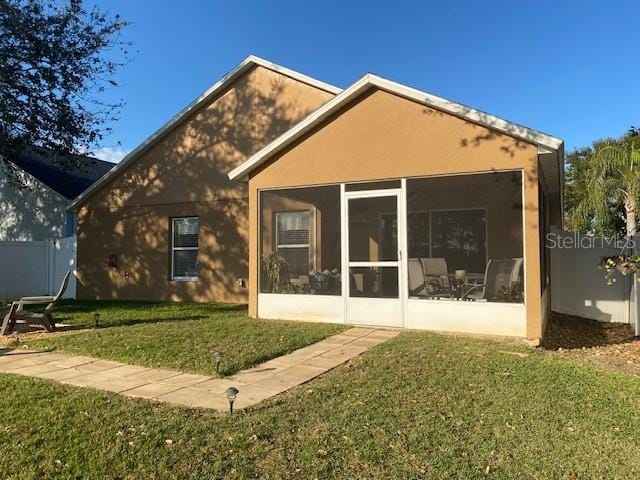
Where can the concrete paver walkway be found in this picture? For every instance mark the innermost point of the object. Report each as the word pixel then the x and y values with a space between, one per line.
pixel 255 384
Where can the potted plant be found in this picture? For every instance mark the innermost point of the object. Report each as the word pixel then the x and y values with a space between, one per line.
pixel 274 272
pixel 510 294
pixel 625 264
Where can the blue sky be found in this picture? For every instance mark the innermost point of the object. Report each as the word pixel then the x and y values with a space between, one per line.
pixel 570 69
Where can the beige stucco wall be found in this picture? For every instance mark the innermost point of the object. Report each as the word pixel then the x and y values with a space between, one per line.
pixel 382 136
pixel 185 174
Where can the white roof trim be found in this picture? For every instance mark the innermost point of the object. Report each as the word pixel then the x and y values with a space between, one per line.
pixel 221 84
pixel 546 143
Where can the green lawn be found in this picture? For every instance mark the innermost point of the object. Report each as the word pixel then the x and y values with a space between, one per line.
pixel 183 336
pixel 419 406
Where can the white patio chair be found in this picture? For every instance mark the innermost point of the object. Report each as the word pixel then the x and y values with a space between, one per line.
pixel 417 286
pixel 500 276
pixel 436 269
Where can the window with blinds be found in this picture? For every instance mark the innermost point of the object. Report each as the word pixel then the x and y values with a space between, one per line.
pixel 300 241
pixel 184 248
pixel 292 240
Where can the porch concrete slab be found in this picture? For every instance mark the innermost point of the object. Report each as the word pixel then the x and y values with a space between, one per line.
pixel 297 375
pixel 254 384
pixel 385 334
pixel 345 351
pixel 70 361
pixel 366 342
pixel 190 397
pixel 358 332
pixel 258 373
pixel 271 386
pixel 257 392
pixel 185 379
pixel 291 359
pixel 6 358
pixel 7 362
pixel 151 390
pixel 104 382
pixel 313 350
pixel 154 374
pixel 341 339
pixel 217 385
pixel 325 363
pixel 18 363
pixel 126 370
pixel 299 356
pixel 36 370
pixel 53 357
pixel 98 366
pixel 280 363
pixel 61 374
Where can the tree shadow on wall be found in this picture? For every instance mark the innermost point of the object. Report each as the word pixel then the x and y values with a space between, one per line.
pixel 33 212
pixel 505 141
pixel 185 174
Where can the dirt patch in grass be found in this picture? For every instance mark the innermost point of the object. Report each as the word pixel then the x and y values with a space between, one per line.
pixel 26 333
pixel 610 346
pixel 569 332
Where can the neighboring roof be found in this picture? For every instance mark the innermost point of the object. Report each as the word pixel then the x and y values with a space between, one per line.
pixel 248 63
pixel 546 143
pixel 68 175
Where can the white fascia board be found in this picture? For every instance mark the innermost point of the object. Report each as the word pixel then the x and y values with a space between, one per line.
pixel 220 85
pixel 545 143
pixel 293 74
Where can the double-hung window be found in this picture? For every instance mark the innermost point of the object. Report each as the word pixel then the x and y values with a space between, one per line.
pixel 458 236
pixel 184 248
pixel 292 241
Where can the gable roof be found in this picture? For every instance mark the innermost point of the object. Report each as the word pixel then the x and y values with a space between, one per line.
pixel 221 85
pixel 545 143
pixel 68 175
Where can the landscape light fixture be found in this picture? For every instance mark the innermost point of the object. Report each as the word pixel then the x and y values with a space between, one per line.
pixel 218 357
pixel 231 394
pixel 96 319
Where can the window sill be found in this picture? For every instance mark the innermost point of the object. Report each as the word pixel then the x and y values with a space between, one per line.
pixel 185 279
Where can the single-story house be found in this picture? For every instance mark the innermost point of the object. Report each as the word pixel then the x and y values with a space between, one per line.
pixel 374 205
pixel 36 185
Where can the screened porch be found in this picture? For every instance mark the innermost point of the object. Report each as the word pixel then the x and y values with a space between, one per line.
pixel 393 249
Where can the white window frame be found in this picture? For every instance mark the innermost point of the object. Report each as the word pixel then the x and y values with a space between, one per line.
pixel 294 245
pixel 174 248
pixel 462 209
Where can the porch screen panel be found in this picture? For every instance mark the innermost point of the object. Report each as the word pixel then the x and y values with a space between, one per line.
pixel 373 227
pixel 465 237
pixel 300 241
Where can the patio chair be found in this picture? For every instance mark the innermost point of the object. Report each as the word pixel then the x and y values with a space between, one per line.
pixel 17 312
pixel 500 277
pixel 436 272
pixel 417 285
pixel 432 281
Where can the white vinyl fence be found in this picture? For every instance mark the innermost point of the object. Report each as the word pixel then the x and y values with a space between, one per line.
pixel 36 268
pixel 578 286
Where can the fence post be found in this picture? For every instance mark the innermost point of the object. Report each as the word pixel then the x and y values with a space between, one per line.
pixel 51 269
pixel 634 294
